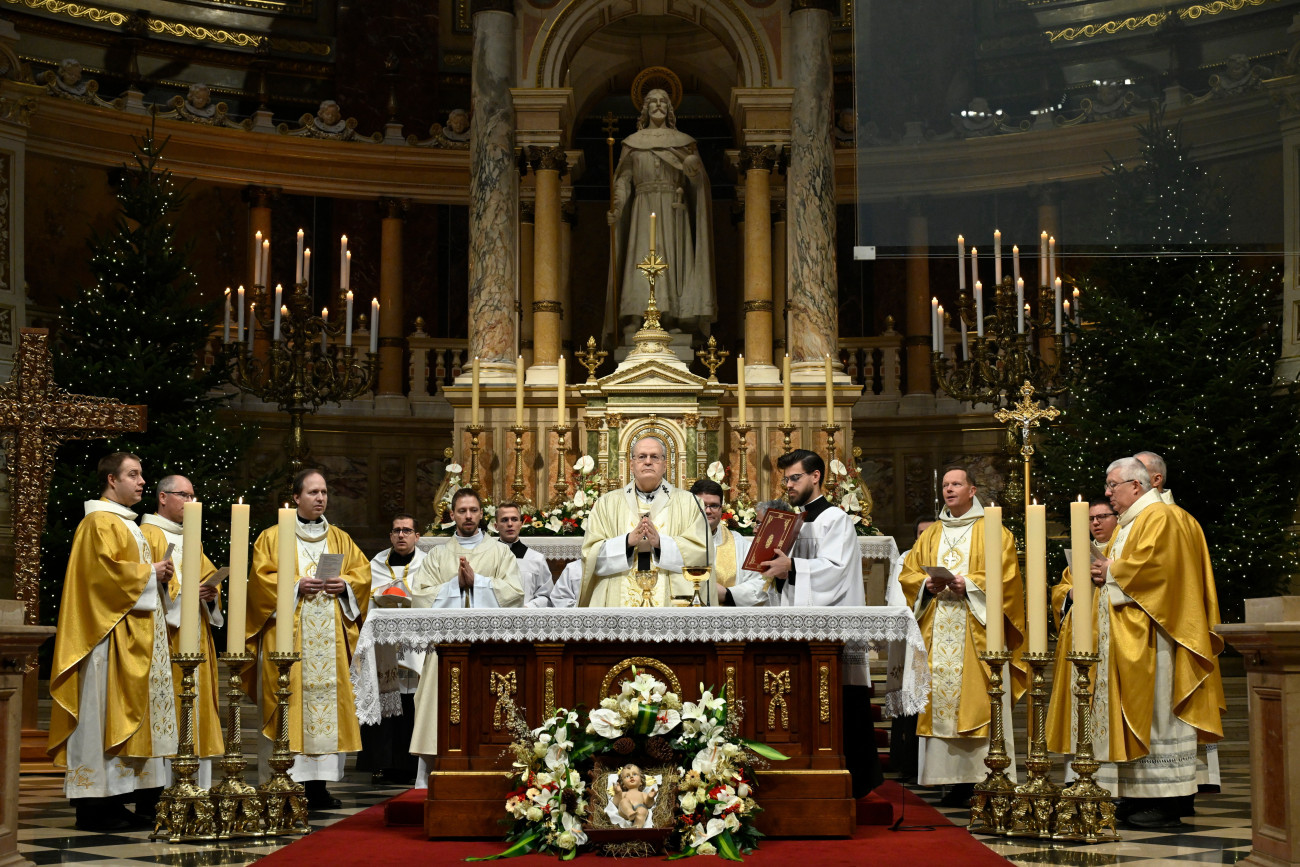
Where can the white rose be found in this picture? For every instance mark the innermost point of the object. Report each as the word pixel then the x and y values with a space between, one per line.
pixel 565 841
pixel 706 848
pixel 454 469
pixel 584 465
pixel 689 803
pixel 533 814
pixel 543 779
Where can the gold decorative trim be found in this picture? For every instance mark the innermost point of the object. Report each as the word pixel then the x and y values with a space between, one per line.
pixel 731 683
pixel 757 306
pixel 454 714
pixel 461 19
pixel 503 686
pixel 824 694
pixel 777 685
pixel 647 661
pixel 548 698
pixel 1107 28
pixel 548 307
pixel 1218 6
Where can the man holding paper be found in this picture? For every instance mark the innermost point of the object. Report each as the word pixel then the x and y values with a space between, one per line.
pixel 330 578
pixel 824 567
pixel 112 630
pixel 163 531
pixel 943 581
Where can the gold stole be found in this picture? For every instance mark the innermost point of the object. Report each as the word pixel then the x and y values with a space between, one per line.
pixel 724 564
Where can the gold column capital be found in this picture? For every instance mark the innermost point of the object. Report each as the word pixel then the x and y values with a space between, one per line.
pixel 761 157
pixel 554 159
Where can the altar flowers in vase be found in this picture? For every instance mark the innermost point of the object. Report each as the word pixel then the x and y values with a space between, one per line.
pixel 570 517
pixel 847 490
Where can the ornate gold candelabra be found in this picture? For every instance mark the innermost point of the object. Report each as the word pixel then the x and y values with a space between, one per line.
pixel 474 430
pixel 284 801
pixel 990 806
pixel 830 482
pixel 1085 811
pixel 712 358
pixel 300 371
pixel 742 483
pixel 1034 810
pixel 185 812
pixel 561 486
pixel 239 809
pixel 518 484
pixel 591 359
pixel 786 430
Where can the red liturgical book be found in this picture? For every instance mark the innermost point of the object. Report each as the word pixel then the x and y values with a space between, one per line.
pixel 777 533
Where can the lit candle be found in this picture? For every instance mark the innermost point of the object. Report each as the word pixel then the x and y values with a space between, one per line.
pixel 225 328
pixel 979 309
pixel 1036 576
pixel 306 267
pixel 1015 262
pixel 1078 311
pixel 252 323
pixel 785 389
pixel 297 277
pixel 997 257
pixel 939 323
pixel 740 388
pixel 1020 306
pixel 1081 576
pixel 284 311
pixel 257 257
pixel 191 571
pixel 1057 284
pixel 1042 259
pixel 830 392
pixel 560 383
pixel 286 586
pixel 347 322
pixel 473 394
pixel 961 262
pixel 347 270
pixel 266 263
pixel 239 330
pixel 1025 311
pixel 993 577
pixel 237 605
pixel 343 259
pixel 934 324
pixel 275 318
pixel 324 329
pixel 652 234
pixel 374 325
pixel 519 391
pixel 974 265
pixel 1051 261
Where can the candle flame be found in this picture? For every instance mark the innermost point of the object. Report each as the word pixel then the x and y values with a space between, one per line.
pixel 241 501
pixel 227 290
pixel 1080 500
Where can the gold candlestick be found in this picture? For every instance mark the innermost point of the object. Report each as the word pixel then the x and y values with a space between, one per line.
pixel 830 483
pixel 474 430
pixel 1085 811
pixel 742 482
pixel 185 812
pixel 1034 810
pixel 591 359
pixel 786 430
pixel 284 801
pixel 239 809
pixel 990 806
pixel 712 358
pixel 561 486
pixel 518 484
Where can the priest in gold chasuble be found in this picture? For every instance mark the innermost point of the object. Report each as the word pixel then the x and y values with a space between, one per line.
pixel 953 729
pixel 113 717
pixel 647 526
pixel 161 529
pixel 323 722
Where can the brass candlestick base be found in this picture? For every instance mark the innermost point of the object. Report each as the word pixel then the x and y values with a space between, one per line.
pixel 786 430
pixel 284 801
pixel 990 806
pixel 1034 810
pixel 518 484
pixel 742 484
pixel 561 486
pixel 474 430
pixel 1085 811
pixel 239 809
pixel 185 812
pixel 830 483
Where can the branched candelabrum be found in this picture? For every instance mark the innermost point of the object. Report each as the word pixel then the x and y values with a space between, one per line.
pixel 306 366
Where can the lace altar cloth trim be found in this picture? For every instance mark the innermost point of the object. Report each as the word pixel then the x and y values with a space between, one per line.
pixel 889 629
pixel 566 548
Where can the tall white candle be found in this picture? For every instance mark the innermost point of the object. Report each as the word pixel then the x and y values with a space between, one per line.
pixel 297 277
pixel 1081 576
pixel 1036 576
pixel 519 391
pixel 191 571
pixel 347 322
pixel 473 393
pixel 979 309
pixel 257 257
pixel 934 324
pixel 1057 285
pixel 324 329
pixel 306 267
pixel 974 265
pixel 561 382
pixel 275 319
pixel 652 234
pixel 939 326
pixel 830 391
pixel 1015 262
pixel 961 262
pixel 740 388
pixel 343 258
pixel 1051 261
pixel 225 328
pixel 239 331
pixel 993 577
pixel 997 256
pixel 1078 311
pixel 1042 259
pixel 237 604
pixel 1020 307
pixel 374 325
pixel 266 263
pixel 347 270
pixel 286 586
pixel 785 389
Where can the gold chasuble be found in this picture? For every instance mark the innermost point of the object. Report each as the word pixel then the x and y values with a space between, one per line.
pixel 609 572
pixel 159 532
pixel 322 711
pixel 114 712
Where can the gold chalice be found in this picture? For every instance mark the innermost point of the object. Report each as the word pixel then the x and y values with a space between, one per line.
pixel 697 575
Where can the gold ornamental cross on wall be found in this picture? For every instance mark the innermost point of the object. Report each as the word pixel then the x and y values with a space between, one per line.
pixel 35 417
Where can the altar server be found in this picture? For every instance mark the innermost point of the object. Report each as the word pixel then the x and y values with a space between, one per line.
pixel 826 569
pixel 112 630
pixel 534 572
pixel 567 586
pixel 734 586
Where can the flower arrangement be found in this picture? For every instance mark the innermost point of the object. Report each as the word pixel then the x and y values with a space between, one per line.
pixel 570 517
pixel 443 525
pixel 739 517
pixel 853 496
pixel 715 808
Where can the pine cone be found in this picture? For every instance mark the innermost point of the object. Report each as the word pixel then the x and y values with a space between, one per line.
pixel 659 748
pixel 623 746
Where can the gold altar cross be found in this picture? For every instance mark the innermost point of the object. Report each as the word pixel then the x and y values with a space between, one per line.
pixel 1026 415
pixel 35 417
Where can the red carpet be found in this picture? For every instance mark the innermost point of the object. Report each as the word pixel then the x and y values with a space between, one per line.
pixel 364 839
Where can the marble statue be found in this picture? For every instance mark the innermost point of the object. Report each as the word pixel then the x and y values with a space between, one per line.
pixel 329 118
pixel 66 81
pixel 660 171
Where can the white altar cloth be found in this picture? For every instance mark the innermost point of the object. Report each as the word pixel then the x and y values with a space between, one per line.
pixel 889 629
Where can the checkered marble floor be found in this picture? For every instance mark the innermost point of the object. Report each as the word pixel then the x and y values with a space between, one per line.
pixel 1219 833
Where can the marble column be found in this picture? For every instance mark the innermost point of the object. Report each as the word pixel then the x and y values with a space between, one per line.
pixel 548 164
pixel 757 163
pixel 917 331
pixel 525 311
pixel 1287 98
pixel 392 342
pixel 780 304
pixel 810 193
pixel 493 190
pixel 259 220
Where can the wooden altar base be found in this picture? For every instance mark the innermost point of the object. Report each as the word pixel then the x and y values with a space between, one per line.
pixel 790 693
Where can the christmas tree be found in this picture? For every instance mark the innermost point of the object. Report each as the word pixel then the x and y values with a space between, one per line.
pixel 139 334
pixel 1177 357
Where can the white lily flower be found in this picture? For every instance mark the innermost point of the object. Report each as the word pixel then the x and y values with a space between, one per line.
pixel 716 471
pixel 454 469
pixel 837 467
pixel 572 825
pixel 580 498
pixel 584 465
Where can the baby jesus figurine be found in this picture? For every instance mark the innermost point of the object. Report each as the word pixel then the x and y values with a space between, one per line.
pixel 631 799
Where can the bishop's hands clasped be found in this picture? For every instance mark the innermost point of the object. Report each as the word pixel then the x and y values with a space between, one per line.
pixel 644 536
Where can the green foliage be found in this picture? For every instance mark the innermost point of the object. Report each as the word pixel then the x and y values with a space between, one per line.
pixel 139 335
pixel 1178 358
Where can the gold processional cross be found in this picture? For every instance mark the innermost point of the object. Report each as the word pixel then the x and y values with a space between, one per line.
pixel 1026 415
pixel 35 417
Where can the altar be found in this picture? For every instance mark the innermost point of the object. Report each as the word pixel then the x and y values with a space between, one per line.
pixel 783 664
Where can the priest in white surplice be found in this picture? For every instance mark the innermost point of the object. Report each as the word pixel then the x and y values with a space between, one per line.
pixel 472 570
pixel 648 526
pixel 825 568
pixel 734 585
pixel 112 630
pixel 534 572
